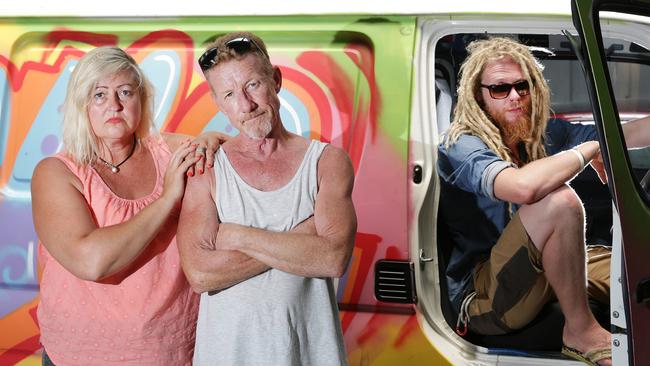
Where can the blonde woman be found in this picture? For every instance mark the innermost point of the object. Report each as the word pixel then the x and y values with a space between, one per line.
pixel 105 210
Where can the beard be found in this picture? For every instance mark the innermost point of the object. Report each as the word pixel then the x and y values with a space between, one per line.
pixel 257 129
pixel 514 131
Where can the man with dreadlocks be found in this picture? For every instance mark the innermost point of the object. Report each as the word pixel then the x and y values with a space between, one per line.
pixel 518 228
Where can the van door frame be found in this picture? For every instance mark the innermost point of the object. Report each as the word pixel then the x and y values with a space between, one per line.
pixel 633 211
pixel 424 196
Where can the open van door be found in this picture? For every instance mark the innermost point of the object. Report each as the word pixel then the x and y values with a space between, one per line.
pixel 627 170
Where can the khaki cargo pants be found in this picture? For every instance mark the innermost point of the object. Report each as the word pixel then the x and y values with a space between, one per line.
pixel 511 288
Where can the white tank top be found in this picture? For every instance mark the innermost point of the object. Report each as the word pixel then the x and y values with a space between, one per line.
pixel 274 318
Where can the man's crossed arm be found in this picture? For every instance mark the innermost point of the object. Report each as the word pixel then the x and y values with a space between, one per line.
pixel 218 255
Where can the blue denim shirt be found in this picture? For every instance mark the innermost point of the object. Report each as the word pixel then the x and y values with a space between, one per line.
pixel 472 215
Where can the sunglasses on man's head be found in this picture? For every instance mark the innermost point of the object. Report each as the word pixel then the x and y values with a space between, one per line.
pixel 239 45
pixel 501 91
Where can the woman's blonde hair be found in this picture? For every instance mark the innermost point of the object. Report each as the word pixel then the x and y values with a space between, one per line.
pixel 79 140
pixel 469 116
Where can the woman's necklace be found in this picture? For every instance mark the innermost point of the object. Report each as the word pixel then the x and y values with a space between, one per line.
pixel 116 167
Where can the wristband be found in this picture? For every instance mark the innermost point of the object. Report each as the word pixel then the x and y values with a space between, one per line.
pixel 580 157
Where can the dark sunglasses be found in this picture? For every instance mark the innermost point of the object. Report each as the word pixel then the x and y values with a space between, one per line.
pixel 501 91
pixel 240 45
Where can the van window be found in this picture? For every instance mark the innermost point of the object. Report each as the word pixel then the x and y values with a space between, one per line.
pixel 628 63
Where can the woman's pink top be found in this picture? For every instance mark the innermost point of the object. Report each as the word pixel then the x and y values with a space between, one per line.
pixel 146 314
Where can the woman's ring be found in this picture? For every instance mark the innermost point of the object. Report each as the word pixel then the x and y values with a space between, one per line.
pixel 201 149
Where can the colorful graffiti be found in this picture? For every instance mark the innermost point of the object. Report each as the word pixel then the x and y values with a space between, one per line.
pixel 336 87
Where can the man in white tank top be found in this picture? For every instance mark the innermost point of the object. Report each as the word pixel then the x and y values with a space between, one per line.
pixel 263 235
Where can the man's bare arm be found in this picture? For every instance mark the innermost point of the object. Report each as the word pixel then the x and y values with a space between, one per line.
pixel 637 133
pixel 323 254
pixel 208 268
pixel 537 179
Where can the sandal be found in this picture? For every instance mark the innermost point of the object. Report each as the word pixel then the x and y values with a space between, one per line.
pixel 590 358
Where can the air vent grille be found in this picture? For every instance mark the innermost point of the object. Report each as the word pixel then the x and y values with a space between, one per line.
pixel 394 281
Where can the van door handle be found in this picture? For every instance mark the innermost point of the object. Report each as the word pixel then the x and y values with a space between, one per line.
pixel 417 174
pixel 424 259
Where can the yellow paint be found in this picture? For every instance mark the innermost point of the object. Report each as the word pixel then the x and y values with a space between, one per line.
pixel 10 33
pixel 33 360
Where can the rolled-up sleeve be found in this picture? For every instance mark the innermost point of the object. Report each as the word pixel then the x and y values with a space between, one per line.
pixel 470 165
pixel 490 174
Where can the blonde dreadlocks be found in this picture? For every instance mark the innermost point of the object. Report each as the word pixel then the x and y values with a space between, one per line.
pixel 471 119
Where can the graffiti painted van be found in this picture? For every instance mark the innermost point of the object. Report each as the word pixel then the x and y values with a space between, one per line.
pixel 379 82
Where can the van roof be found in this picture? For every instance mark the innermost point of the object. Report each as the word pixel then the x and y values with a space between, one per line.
pixel 128 8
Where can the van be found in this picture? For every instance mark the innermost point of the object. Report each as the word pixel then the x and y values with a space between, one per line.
pixel 379 81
